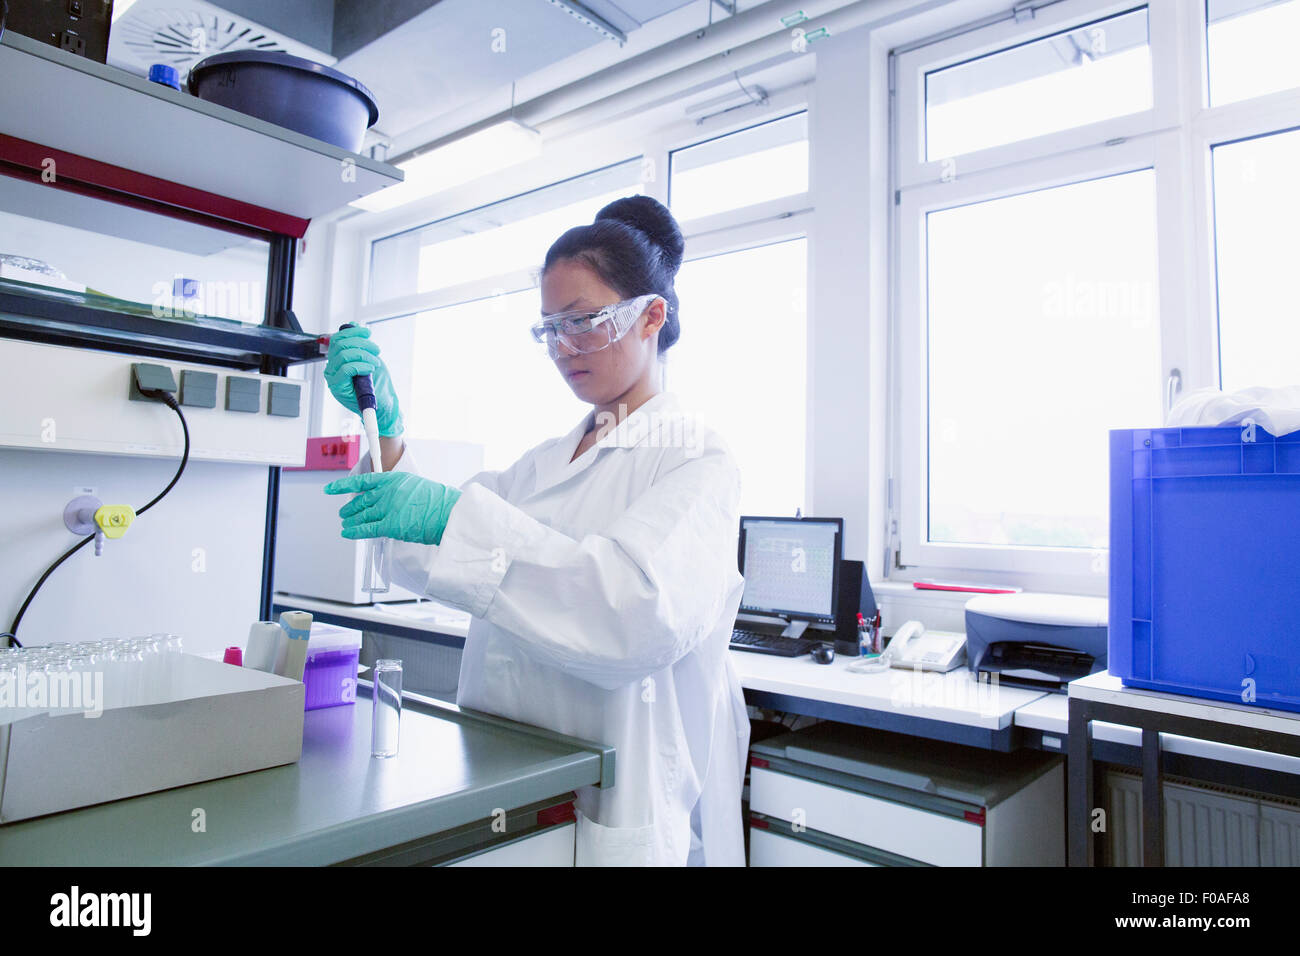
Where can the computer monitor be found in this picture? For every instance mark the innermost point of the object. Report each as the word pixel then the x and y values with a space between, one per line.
pixel 791 568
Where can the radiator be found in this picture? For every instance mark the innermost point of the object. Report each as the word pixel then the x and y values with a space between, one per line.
pixel 1205 824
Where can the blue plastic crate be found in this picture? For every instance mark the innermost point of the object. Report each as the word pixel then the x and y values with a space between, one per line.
pixel 1205 563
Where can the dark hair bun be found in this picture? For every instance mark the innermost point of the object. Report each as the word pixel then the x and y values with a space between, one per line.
pixel 652 218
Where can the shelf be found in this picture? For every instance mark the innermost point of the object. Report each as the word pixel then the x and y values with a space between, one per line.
pixel 36 201
pixel 171 147
pixel 39 314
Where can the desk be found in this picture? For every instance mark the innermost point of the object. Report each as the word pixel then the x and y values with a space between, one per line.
pixel 1102 697
pixel 952 706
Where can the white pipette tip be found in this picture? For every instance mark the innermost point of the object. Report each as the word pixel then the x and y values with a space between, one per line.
pixel 371 424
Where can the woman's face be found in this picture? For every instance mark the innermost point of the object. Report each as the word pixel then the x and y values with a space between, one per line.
pixel 599 377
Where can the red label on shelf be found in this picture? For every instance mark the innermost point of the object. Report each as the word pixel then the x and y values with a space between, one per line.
pixel 553 816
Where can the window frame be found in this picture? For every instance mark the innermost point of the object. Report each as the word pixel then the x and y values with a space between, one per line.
pixel 912 66
pixel 1175 138
pixel 753 210
pixel 654 147
pixel 512 280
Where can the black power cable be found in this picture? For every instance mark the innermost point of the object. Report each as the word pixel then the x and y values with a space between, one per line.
pixel 170 402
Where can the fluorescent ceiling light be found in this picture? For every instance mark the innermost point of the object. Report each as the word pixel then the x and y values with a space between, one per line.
pixel 750 96
pixel 479 154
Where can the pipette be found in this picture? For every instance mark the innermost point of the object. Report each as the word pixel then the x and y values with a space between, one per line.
pixel 374 580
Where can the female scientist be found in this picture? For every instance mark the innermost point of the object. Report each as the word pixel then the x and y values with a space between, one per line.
pixel 600 568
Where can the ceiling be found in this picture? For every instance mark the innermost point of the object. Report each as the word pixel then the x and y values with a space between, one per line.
pixel 421 58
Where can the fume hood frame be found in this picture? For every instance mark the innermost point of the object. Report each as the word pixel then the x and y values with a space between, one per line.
pixel 117 137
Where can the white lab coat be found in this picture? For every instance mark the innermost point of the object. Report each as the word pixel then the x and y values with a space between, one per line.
pixel 603 595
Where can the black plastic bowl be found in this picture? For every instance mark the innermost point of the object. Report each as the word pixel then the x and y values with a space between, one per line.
pixel 288 91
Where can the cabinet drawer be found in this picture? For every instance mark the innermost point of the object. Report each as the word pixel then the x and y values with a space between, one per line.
pixel 871 821
pixel 772 849
pixel 553 847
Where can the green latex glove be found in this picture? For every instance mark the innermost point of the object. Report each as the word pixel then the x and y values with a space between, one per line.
pixel 394 504
pixel 352 353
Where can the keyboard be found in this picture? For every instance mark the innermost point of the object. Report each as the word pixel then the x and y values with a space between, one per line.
pixel 759 643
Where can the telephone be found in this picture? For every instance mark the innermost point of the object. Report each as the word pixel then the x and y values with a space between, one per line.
pixel 912 647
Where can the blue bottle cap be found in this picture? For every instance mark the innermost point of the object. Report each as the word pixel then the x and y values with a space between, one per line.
pixel 166 75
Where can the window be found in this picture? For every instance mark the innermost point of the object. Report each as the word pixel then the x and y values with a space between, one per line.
pixel 741 364
pixel 444 295
pixel 1030 298
pixel 1256 208
pixel 508 404
pixel 1092 72
pixel 1054 289
pixel 754 165
pixel 507 237
pixel 1252 48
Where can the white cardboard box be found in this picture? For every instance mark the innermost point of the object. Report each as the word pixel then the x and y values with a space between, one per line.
pixel 220 720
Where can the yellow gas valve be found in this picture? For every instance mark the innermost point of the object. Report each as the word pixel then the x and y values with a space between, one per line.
pixel 113 520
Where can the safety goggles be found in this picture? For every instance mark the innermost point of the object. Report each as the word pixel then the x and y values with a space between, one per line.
pixel 585 332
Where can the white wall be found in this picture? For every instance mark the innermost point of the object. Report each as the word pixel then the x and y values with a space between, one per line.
pixel 149 580
pixel 152 579
pixel 848 286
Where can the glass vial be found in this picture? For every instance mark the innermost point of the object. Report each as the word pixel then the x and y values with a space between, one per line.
pixel 375 575
pixel 386 698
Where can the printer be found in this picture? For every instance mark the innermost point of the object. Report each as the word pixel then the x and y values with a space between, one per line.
pixel 1041 641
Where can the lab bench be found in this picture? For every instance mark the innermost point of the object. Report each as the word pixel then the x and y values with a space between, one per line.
pixel 423 621
pixel 457 773
pixel 950 708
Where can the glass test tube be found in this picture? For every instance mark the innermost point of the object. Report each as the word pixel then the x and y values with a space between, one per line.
pixel 12 683
pixel 386 697
pixel 151 673
pixel 128 670
pixel 375 577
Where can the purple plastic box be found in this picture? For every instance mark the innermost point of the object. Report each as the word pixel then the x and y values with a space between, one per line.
pixel 330 676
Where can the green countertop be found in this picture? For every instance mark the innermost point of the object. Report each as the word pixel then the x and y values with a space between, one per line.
pixel 454 767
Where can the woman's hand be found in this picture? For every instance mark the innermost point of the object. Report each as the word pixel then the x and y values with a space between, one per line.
pixel 352 353
pixel 394 504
